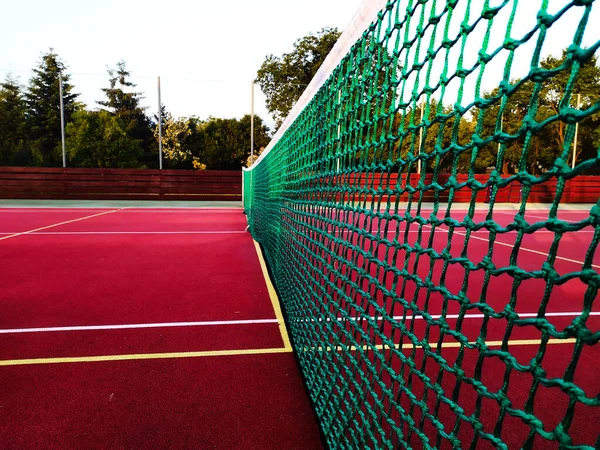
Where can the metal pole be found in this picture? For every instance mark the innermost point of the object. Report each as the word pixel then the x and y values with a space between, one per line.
pixel 62 119
pixel 339 126
pixel 252 123
pixel 576 131
pixel 159 128
pixel 499 145
pixel 420 136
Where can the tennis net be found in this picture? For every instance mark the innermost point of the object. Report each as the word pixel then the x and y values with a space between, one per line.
pixel 429 303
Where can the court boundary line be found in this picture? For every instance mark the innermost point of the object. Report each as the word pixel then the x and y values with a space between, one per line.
pixel 525 249
pixel 257 322
pixel 142 356
pixel 58 224
pixel 136 326
pixel 88 233
pixel 547 218
pixel 261 351
pixel 410 345
pixel 273 297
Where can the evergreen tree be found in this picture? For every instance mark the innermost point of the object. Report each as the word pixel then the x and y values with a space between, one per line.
pixel 13 135
pixel 124 103
pixel 43 115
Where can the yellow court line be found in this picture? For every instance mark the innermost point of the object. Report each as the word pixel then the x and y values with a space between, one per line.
pixel 139 356
pixel 274 299
pixel 409 346
pixel 57 224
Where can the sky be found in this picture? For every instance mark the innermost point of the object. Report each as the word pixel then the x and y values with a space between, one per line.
pixel 208 51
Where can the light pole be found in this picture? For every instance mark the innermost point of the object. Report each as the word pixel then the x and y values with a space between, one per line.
pixel 62 119
pixel 159 128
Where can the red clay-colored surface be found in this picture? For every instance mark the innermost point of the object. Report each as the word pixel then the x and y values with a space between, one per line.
pixel 61 280
pixel 50 280
pixel 163 265
pixel 215 402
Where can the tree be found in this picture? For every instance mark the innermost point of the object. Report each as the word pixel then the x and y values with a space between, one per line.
pixel 227 141
pixel 101 139
pixel 125 105
pixel 43 109
pixel 13 135
pixel 283 78
pixel 545 146
pixel 175 144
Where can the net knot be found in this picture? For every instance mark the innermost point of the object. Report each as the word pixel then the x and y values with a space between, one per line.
pixel 537 371
pixel 595 214
pixel 582 2
pixel 590 277
pixel 544 18
pixel 490 13
pixel 561 166
pixel 520 222
pixel 510 44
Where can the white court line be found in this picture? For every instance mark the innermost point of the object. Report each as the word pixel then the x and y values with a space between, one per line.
pixel 129 232
pixel 525 249
pixel 540 217
pixel 245 322
pixel 137 325
pixel 390 232
pixel 441 229
pixel 481 316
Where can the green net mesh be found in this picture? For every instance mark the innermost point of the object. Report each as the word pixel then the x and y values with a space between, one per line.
pixel 425 312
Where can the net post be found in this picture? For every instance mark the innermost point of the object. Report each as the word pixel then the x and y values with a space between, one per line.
pixel 62 120
pixel 252 122
pixel 160 161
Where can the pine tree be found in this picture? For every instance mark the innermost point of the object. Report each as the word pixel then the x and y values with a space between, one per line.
pixel 43 103
pixel 125 105
pixel 13 135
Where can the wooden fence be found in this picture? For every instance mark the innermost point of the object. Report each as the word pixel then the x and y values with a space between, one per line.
pixel 111 184
pixel 86 184
pixel 581 189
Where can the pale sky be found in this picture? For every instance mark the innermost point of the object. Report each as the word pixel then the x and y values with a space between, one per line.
pixel 208 51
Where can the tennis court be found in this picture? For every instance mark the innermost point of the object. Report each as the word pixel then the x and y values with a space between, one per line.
pixel 142 327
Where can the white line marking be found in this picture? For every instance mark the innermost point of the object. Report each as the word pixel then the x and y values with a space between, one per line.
pixel 542 217
pixel 137 325
pixel 481 316
pixel 244 322
pixel 525 249
pixel 22 233
pixel 128 232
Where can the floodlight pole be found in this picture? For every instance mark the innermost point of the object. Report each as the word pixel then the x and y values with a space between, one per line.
pixel 252 123
pixel 160 162
pixel 420 137
pixel 62 119
pixel 576 132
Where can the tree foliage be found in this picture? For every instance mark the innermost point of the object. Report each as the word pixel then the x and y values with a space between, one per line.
pixel 42 99
pixel 101 139
pixel 227 141
pixel 541 102
pixel 283 78
pixel 13 127
pixel 124 103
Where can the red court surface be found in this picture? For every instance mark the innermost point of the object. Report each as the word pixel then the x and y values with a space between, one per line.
pixel 155 328
pixel 142 328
